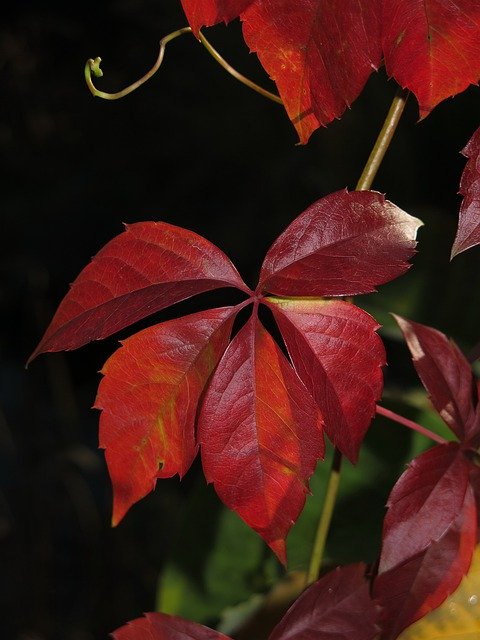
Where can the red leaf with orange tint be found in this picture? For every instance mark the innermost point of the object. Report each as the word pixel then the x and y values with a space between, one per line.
pixel 319 54
pixel 205 13
pixel 338 607
pixel 445 373
pixel 149 397
pixel 159 626
pixel 260 435
pixel 468 233
pixel 344 244
pixel 338 356
pixel 149 267
pixel 431 47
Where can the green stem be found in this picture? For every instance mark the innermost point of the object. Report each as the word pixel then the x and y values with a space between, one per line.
pixel 365 182
pixel 325 518
pixel 93 66
pixel 383 141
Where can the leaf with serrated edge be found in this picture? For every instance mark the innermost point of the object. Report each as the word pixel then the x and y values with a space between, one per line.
pixel 149 396
pixel 260 435
pixel 320 55
pixel 338 356
pixel 149 267
pixel 206 13
pixel 159 626
pixel 445 373
pixel 468 232
pixel 431 47
pixel 337 606
pixel 344 244
pixel 411 589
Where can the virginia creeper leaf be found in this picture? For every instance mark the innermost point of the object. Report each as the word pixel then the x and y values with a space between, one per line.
pixel 159 626
pixel 260 435
pixel 344 244
pixel 148 267
pixel 417 585
pixel 458 617
pixel 468 233
pixel 149 396
pixel 424 503
pixel 319 54
pixel 445 373
pixel 431 47
pixel 338 607
pixel 338 356
pixel 205 13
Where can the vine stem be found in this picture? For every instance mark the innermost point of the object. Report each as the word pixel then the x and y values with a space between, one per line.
pixel 365 182
pixel 391 415
pixel 93 66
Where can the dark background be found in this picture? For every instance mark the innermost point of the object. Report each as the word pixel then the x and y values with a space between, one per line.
pixel 194 148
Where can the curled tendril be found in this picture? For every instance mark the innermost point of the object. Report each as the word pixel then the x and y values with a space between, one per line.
pixel 92 66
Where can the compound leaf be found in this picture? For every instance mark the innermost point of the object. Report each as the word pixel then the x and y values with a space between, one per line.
pixel 149 397
pixel 260 435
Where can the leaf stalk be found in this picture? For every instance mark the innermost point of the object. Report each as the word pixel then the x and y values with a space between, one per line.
pixel 391 415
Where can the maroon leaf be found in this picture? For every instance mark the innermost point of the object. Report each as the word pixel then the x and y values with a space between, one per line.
pixel 468 233
pixel 205 13
pixel 149 398
pixel 150 266
pixel 344 244
pixel 445 373
pixel 431 47
pixel 159 626
pixel 410 590
pixel 338 356
pixel 260 435
pixel 320 55
pixel 424 503
pixel 336 607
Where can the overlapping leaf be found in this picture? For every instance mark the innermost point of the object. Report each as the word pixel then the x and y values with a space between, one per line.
pixel 321 54
pixel 149 397
pixel 260 419
pixel 159 626
pixel 430 530
pixel 468 233
pixel 260 435
pixel 149 267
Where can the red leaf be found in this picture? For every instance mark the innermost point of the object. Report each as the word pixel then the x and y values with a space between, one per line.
pixel 431 47
pixel 150 266
pixel 338 356
pixel 260 435
pixel 344 244
pixel 424 503
pixel 445 373
pixel 320 55
pixel 410 590
pixel 149 398
pixel 468 233
pixel 337 606
pixel 159 626
pixel 205 13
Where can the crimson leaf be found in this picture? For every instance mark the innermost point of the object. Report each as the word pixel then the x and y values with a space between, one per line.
pixel 205 13
pixel 338 356
pixel 367 241
pixel 149 398
pixel 149 267
pixel 159 626
pixel 337 607
pixel 260 435
pixel 468 233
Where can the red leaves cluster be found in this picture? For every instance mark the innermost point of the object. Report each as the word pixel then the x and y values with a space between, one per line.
pixel 257 416
pixel 321 54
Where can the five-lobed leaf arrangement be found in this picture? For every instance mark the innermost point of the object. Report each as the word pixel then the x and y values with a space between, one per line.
pixel 256 409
